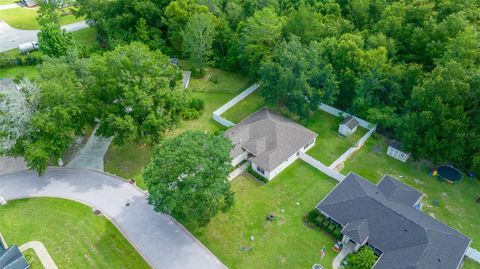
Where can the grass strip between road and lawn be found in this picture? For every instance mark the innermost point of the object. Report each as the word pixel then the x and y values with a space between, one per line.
pixel 26 18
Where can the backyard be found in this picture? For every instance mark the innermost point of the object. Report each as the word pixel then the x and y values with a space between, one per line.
pixel 25 18
pixel 283 243
pixel 128 161
pixel 456 202
pixel 72 234
pixel 330 144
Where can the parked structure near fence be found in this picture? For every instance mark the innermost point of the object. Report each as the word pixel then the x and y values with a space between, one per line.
pixel 321 167
pixel 339 113
pixel 231 103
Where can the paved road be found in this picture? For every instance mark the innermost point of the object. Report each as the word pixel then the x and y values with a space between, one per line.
pixel 10 165
pixel 162 242
pixel 9 6
pixel 11 37
pixel 91 155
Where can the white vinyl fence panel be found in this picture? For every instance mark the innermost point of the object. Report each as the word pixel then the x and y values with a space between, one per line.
pixel 230 104
pixel 242 168
pixel 339 113
pixel 320 166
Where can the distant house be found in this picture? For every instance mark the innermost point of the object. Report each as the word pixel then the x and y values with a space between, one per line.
pixel 269 141
pixel 348 126
pixel 12 258
pixel 384 218
pixel 397 151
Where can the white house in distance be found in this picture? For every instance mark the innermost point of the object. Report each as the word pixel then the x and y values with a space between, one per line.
pixel 269 141
pixel 348 126
pixel 396 150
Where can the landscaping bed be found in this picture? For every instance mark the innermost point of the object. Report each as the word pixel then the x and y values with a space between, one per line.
pixel 285 242
pixel 72 234
pixel 454 201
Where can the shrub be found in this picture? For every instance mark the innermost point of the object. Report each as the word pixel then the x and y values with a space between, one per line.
pixel 365 258
pixel 319 220
pixel 213 79
pixel 190 114
pixel 255 174
pixel 197 104
pixel 312 215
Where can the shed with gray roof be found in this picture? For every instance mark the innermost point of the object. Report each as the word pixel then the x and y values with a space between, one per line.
pixel 348 126
pixel 383 217
pixel 269 141
pixel 397 151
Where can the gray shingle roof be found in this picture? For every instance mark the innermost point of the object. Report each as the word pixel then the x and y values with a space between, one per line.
pixel 270 137
pixel 350 122
pixel 357 230
pixel 12 258
pixel 397 145
pixel 407 237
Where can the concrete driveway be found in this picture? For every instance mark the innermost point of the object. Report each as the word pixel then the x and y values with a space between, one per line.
pixel 11 37
pixel 159 239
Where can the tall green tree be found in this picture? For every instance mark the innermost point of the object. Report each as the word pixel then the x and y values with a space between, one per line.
pixel 299 77
pixel 259 37
pixel 54 41
pixel 198 37
pixel 187 177
pixel 135 93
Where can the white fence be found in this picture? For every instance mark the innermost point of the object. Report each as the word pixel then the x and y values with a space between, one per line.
pixel 323 168
pixel 231 103
pixel 242 168
pixel 339 113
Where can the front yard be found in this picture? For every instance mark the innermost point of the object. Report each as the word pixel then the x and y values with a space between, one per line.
pixel 457 206
pixel 284 243
pixel 25 18
pixel 330 144
pixel 72 234
pixel 128 161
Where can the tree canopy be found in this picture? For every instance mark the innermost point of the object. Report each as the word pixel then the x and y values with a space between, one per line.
pixel 187 177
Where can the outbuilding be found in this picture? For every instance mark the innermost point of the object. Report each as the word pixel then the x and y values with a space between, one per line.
pixel 397 151
pixel 348 126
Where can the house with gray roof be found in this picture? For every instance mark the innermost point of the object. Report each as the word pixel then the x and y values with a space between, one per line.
pixel 348 126
pixel 12 258
pixel 383 217
pixel 269 141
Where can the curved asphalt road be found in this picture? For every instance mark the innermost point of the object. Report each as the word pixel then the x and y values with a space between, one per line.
pixel 161 241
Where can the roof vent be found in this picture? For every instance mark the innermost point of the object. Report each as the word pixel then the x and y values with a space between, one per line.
pixel 439 260
pixel 405 229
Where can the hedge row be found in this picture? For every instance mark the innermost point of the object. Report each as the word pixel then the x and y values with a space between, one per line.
pixel 6 62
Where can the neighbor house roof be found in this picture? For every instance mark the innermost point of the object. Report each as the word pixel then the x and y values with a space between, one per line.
pixel 384 214
pixel 270 137
pixel 12 258
pixel 350 122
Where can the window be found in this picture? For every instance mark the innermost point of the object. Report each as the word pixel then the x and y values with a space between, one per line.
pixel 308 144
pixel 261 170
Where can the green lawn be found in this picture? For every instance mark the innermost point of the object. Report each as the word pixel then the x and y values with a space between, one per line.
pixel 330 144
pixel 74 237
pixel 25 18
pixel 284 243
pixel 28 71
pixel 457 206
pixel 129 160
pixel 86 37
pixel 6 2
pixel 32 259
pixel 245 108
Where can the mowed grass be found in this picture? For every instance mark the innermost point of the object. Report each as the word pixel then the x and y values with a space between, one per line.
pixel 72 234
pixel 85 37
pixel 32 259
pixel 284 243
pixel 6 2
pixel 128 161
pixel 330 144
pixel 457 206
pixel 245 108
pixel 26 18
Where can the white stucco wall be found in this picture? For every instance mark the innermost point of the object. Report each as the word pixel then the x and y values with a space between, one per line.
pixel 273 173
pixel 397 154
pixel 344 130
pixel 239 158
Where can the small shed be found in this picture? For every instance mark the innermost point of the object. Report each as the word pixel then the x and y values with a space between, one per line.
pixel 397 151
pixel 348 126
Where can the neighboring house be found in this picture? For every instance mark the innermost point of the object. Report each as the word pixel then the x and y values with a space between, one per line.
pixel 397 151
pixel 383 217
pixel 30 3
pixel 12 258
pixel 269 141
pixel 348 126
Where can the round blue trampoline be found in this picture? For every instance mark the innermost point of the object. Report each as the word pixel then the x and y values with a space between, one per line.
pixel 449 173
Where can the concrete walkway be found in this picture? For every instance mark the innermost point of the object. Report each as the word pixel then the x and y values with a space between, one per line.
pixel 158 238
pixel 41 252
pixel 91 155
pixel 11 37
pixel 340 256
pixel 11 165
pixel 9 6
pixel 473 254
